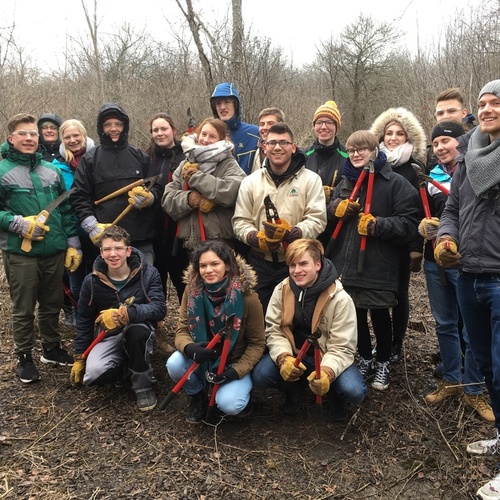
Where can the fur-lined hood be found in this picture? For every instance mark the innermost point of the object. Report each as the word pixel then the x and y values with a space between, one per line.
pixel 413 128
pixel 247 275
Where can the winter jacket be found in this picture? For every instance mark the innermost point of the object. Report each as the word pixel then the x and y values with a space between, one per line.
pixel 221 187
pixel 244 135
pixel 250 344
pixel 107 168
pixel 98 294
pixel 27 185
pixel 50 152
pixel 299 199
pixel 396 205
pixel 334 314
pixel 473 222
pixel 326 160
pixel 67 171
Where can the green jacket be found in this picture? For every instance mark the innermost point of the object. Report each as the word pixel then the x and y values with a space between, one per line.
pixel 27 185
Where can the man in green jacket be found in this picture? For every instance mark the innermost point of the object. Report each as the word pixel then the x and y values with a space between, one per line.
pixel 35 247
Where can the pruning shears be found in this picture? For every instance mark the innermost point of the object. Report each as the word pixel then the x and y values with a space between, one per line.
pixel 272 216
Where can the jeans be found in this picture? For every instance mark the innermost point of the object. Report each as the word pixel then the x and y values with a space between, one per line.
pixel 479 300
pixel 349 386
pixel 231 398
pixel 444 307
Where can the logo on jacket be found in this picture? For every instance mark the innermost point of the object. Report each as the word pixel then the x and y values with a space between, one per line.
pixel 294 192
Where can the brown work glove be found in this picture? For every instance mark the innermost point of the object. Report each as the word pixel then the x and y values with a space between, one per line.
pixel 276 231
pixel 367 225
pixel 206 205
pixel 416 261
pixel 321 385
pixel 446 252
pixel 77 370
pixel 289 372
pixel 194 199
pixel 346 209
pixel 428 228
pixel 266 244
pixel 107 320
pixel 294 234
pixel 188 170
pixel 120 316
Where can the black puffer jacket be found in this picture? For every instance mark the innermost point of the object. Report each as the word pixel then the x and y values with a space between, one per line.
pixel 98 294
pixel 107 168
pixel 395 204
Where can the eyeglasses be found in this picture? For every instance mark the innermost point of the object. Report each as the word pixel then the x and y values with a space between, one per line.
pixel 320 123
pixel 449 111
pixel 273 144
pixel 360 151
pixel 49 127
pixel 222 100
pixel 111 249
pixel 25 133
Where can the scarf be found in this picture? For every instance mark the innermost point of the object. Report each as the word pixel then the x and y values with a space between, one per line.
pixel 483 165
pixel 76 158
pixel 207 157
pixel 398 156
pixel 352 173
pixel 209 305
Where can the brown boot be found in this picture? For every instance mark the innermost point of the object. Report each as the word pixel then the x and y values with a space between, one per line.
pixel 481 404
pixel 444 390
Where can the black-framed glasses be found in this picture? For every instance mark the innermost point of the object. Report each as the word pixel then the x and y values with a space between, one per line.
pixel 282 144
pixel 360 151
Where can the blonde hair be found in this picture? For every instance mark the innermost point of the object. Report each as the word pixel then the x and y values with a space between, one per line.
pixel 297 248
pixel 79 125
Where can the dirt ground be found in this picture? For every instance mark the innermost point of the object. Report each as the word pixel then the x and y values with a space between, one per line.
pixel 61 442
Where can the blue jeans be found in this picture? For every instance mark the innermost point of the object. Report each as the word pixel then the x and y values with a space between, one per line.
pixel 349 386
pixel 479 299
pixel 444 307
pixel 231 398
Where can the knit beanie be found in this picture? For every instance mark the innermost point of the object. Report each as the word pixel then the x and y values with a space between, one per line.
pixel 492 87
pixel 328 110
pixel 450 129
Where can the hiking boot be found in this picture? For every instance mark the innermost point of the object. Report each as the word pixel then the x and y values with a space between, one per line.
pixel 381 379
pixel 69 318
pixel 444 390
pixel 197 408
pixel 481 404
pixel 366 368
pixel 485 447
pixel 338 411
pixel 293 398
pixel 490 490
pixel 396 348
pixel 26 369
pixel 146 399
pixel 56 356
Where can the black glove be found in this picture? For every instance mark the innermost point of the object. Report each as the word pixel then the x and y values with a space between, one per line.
pixel 222 378
pixel 198 352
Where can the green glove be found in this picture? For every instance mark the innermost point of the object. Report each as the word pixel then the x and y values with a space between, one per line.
pixel 289 372
pixel 77 370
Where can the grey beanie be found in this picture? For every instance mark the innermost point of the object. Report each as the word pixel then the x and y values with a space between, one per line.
pixel 492 87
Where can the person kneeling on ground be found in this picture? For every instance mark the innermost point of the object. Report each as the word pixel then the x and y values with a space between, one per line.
pixel 125 293
pixel 311 298
pixel 219 284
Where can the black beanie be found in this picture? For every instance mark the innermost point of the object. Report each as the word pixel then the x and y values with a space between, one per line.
pixel 450 129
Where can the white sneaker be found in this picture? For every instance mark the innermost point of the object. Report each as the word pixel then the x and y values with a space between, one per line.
pixel 485 447
pixel 490 490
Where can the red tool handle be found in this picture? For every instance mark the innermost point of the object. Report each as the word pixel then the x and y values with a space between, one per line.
pixel 203 236
pixel 368 204
pixel 352 197
pixel 441 188
pixel 317 369
pixel 99 337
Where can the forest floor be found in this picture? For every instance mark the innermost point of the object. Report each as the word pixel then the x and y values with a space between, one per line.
pixel 61 442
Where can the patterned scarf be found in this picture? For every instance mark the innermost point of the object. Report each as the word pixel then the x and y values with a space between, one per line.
pixel 209 305
pixel 207 157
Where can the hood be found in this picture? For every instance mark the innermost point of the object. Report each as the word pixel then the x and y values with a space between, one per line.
pixel 108 110
pixel 49 117
pixel 247 275
pixel 227 89
pixel 90 144
pixel 297 162
pixel 411 125
pixel 53 118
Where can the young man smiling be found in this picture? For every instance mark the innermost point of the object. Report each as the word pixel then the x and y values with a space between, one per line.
pixel 297 195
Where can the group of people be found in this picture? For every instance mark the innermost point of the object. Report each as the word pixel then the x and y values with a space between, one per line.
pixel 291 253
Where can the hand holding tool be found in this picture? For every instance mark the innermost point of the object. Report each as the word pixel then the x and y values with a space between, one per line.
pixel 368 203
pixel 77 370
pixel 292 369
pixel 446 252
pixel 140 198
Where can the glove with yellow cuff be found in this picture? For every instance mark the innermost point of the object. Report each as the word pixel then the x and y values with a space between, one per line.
pixel 346 209
pixel 321 385
pixel 77 370
pixel 367 225
pixel 206 205
pixel 74 256
pixel 108 320
pixel 328 190
pixel 428 228
pixel 188 170
pixel 288 371
pixel 140 198
pixel 446 252
pixel 275 231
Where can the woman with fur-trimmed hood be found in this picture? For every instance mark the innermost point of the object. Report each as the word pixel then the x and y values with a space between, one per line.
pixel 219 284
pixel 403 141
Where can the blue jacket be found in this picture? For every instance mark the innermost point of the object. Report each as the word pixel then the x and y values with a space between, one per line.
pixel 245 136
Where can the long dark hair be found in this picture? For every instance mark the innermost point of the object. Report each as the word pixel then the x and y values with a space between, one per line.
pixel 151 147
pixel 219 248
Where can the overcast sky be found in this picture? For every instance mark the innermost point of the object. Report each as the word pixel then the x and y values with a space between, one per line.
pixel 42 26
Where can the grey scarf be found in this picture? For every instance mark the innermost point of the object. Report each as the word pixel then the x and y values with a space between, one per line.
pixel 483 165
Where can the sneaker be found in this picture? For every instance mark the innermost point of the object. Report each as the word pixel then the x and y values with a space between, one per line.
pixel 146 399
pixel 56 356
pixel 381 380
pixel 69 318
pixel 444 390
pixel 293 398
pixel 485 447
pixel 197 408
pixel 481 404
pixel 366 368
pixel 26 369
pixel 490 490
